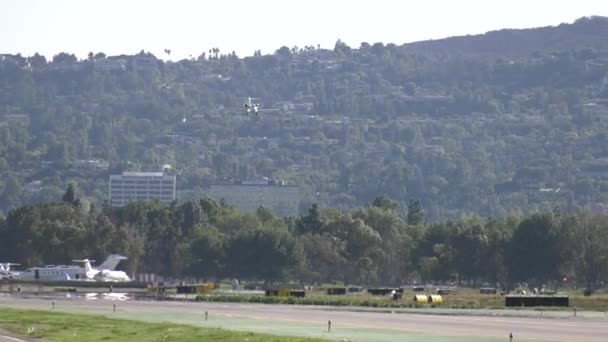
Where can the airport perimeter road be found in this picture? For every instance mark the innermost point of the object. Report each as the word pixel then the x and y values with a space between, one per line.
pixel 362 326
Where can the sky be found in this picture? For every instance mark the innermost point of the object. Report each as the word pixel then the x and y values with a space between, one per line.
pixel 189 27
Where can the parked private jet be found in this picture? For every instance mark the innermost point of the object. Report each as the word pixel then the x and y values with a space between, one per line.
pixel 105 272
pixel 63 272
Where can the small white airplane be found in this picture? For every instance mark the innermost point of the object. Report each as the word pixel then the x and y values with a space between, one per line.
pixel 256 107
pixel 251 107
pixel 105 272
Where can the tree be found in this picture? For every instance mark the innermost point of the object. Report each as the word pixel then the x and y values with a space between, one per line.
pixel 470 242
pixel 63 57
pixel 264 214
pixel 326 257
pixel 341 48
pixel 70 195
pixel 208 254
pixel 263 253
pixel 284 52
pixel 9 197
pixel 533 253
pixel 37 60
pixel 584 247
pixel 415 213
pixel 311 222
pixel 385 203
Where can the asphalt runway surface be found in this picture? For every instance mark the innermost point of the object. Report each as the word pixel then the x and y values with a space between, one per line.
pixel 8 337
pixel 479 328
pixel 4 338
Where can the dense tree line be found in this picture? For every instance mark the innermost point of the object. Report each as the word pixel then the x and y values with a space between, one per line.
pixel 434 122
pixel 369 245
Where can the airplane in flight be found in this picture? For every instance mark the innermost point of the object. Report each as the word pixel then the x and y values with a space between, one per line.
pixel 252 106
pixel 105 272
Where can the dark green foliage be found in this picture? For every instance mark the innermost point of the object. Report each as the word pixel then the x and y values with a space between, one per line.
pixel 533 252
pixel 415 213
pixel 385 203
pixel 70 195
pixel 369 245
pixel 310 223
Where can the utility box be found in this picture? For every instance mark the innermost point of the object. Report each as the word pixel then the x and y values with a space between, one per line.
pixel 332 291
pixel 186 289
pixel 532 301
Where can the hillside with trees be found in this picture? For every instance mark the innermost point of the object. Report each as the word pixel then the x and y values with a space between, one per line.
pixel 511 122
pixel 586 32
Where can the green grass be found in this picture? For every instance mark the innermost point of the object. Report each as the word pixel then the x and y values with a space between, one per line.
pixel 463 299
pixel 63 327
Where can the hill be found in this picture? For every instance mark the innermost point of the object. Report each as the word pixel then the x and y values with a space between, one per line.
pixel 587 32
pixel 459 130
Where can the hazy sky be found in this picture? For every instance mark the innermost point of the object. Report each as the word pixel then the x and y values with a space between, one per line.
pixel 189 27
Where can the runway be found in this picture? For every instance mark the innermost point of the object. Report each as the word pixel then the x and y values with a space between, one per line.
pixel 4 338
pixel 360 326
pixel 8 337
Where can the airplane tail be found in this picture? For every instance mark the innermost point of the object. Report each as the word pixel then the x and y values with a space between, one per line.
pixel 87 265
pixel 6 267
pixel 111 262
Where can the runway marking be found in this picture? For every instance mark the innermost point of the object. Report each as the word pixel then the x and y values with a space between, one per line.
pixel 525 321
pixel 11 338
pixel 365 326
pixel 259 314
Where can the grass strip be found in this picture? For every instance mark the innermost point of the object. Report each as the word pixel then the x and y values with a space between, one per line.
pixel 463 300
pixel 64 327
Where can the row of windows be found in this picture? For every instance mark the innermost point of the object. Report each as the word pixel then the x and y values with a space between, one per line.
pixel 140 192
pixel 142 181
pixel 143 197
pixel 119 203
pixel 117 198
pixel 151 186
pixel 140 185
pixel 54 272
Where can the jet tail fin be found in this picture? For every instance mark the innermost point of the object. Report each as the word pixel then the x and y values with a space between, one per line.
pixel 87 264
pixel 111 262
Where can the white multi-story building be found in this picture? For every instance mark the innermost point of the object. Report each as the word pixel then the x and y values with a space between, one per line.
pixel 141 186
pixel 248 196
